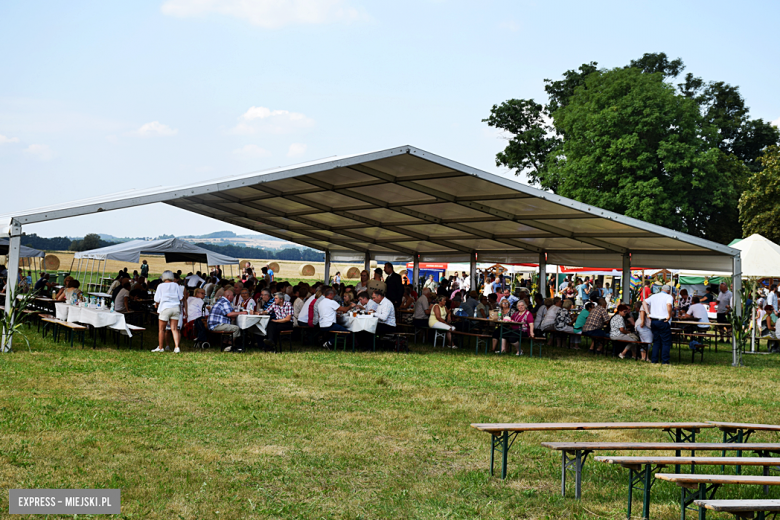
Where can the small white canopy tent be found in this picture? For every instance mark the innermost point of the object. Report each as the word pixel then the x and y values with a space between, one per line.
pixel 24 252
pixel 175 250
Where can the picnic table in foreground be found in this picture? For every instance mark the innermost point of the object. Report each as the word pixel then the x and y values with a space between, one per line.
pixel 641 469
pixel 703 487
pixel 742 508
pixel 741 432
pixel 503 435
pixel 576 453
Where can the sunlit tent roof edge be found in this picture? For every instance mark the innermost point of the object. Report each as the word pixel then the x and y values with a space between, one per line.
pixel 174 249
pixel 403 201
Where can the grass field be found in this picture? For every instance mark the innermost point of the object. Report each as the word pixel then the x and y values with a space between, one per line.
pixel 317 434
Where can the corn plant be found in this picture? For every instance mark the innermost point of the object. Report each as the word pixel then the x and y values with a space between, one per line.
pixel 12 320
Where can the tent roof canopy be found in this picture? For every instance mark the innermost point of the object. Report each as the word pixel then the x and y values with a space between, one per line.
pixel 175 250
pixel 24 252
pixel 403 201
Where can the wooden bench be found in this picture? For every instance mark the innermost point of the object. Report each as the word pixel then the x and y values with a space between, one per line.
pixel 703 487
pixel 618 343
pixel 741 508
pixel 642 468
pixel 504 434
pixel 479 338
pixel 576 453
pixel 285 334
pixel 67 325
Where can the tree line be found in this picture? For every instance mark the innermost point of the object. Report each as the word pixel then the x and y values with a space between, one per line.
pixel 647 142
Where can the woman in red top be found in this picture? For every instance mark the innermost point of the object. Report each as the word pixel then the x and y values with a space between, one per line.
pixel 525 327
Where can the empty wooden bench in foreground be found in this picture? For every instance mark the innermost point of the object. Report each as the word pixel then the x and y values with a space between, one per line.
pixel 503 434
pixel 641 469
pixel 576 453
pixel 741 432
pixel 742 508
pixel 703 487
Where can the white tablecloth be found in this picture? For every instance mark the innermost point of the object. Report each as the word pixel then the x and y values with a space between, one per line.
pixel 359 324
pixel 246 321
pixel 96 318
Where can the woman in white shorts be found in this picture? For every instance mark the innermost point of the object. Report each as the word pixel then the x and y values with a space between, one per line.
pixel 440 318
pixel 167 298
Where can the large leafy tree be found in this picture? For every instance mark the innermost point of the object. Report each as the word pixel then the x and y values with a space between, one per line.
pixel 759 211
pixel 630 141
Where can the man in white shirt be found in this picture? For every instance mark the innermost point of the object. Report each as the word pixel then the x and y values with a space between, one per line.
pixel 659 308
pixel 193 280
pixel 771 298
pixel 328 308
pixel 385 312
pixel 697 312
pixel 305 318
pixel 724 308
pixel 465 282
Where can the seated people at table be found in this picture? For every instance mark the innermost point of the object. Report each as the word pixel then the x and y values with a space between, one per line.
pixel 580 322
pixel 548 322
pixel 265 301
pixel 72 291
pixel 618 330
pixel 221 316
pixel 193 280
pixel 594 325
pixel 385 311
pixel 422 309
pixel 118 288
pixel 310 314
pixel 364 302
pixel 363 283
pixel 769 328
pixel 507 295
pixel 440 319
pixel 281 319
pixel 245 302
pixel 506 314
pixel 43 286
pixel 525 319
pixel 483 308
pixel 168 299
pixel 122 301
pixel 117 283
pixel 60 296
pixel 328 308
pixel 210 285
pixel 470 305
pixel 194 312
pixel 302 291
pixel 563 320
pixel 698 312
pixel 408 299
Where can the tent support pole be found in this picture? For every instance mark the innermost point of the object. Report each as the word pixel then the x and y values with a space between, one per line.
pixel 737 295
pixel 416 274
pixel 472 270
pixel 543 274
pixel 626 279
pixel 14 245
pixel 327 267
pixel 367 263
pixel 104 275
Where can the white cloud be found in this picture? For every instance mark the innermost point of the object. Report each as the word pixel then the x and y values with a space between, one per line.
pixel 156 129
pixel 296 149
pixel 262 119
pixel 776 122
pixel 40 151
pixel 269 14
pixel 251 151
pixel 6 140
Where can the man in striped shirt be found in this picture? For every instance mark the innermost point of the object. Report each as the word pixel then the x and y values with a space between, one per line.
pixel 221 317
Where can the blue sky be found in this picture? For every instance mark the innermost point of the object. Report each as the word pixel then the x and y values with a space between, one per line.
pixel 99 97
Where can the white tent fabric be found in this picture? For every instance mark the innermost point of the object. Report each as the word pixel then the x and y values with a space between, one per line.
pixel 760 257
pixel 175 250
pixel 24 252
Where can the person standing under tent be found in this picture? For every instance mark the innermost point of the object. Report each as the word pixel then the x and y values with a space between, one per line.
pixel 144 269
pixel 771 298
pixel 659 307
pixel 168 299
pixel 336 277
pixel 724 308
pixel 395 288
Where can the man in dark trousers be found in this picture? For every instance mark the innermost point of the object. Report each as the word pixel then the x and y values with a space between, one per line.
pixel 395 286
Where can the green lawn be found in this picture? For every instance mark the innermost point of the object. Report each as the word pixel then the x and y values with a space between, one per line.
pixel 317 434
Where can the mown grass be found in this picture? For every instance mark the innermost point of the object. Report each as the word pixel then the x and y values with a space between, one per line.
pixel 317 434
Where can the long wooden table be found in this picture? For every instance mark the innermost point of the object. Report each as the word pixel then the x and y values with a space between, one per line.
pixel 742 508
pixel 641 469
pixel 576 453
pixel 705 486
pixel 503 435
pixel 741 432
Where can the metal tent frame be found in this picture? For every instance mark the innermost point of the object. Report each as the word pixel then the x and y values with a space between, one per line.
pixel 404 203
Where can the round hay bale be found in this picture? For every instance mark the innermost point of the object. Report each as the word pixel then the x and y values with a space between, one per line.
pixel 274 267
pixel 51 263
pixel 306 270
pixel 353 273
